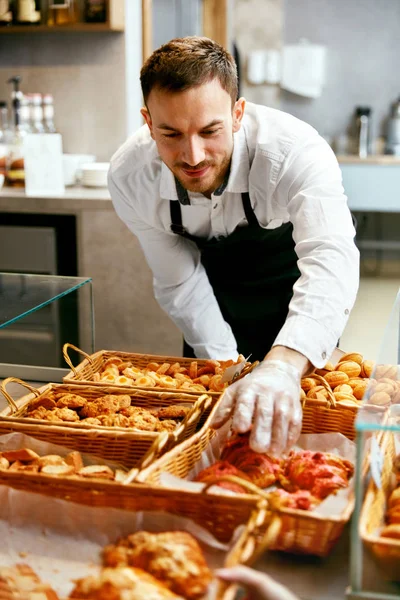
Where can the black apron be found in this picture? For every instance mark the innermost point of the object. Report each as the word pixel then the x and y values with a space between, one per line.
pixel 252 272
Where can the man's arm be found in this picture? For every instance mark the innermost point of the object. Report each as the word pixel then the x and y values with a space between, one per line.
pixel 267 401
pixel 310 186
pixel 181 284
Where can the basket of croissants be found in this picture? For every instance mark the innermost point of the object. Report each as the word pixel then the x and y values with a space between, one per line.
pixel 293 485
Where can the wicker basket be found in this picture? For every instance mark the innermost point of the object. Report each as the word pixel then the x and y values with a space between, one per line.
pixel 123 446
pixel 301 531
pixel 324 416
pixel 372 518
pixel 85 371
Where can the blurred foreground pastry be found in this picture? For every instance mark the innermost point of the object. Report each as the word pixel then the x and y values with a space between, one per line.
pixel 173 557
pixel 20 582
pixel 122 583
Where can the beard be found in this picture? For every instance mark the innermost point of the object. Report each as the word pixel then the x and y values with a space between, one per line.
pixel 208 183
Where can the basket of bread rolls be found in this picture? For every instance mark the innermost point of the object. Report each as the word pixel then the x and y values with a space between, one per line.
pixel 117 425
pixel 153 372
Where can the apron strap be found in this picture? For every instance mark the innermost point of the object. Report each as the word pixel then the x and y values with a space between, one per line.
pixel 248 211
pixel 176 221
pixel 176 216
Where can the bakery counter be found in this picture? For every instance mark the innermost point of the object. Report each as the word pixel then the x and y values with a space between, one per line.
pixel 74 198
pixel 127 317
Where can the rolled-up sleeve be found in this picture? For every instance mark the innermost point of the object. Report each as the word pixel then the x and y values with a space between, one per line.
pixel 310 186
pixel 181 285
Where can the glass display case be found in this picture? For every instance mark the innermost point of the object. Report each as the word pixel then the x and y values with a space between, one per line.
pixel 375 558
pixel 38 314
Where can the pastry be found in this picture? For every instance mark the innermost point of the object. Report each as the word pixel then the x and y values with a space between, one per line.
pixel 70 401
pixel 20 582
pixel 320 472
pixel 96 471
pixel 122 583
pixel 51 459
pixel 61 470
pixel 75 460
pixel 113 420
pixel 166 425
pixel 394 498
pixel 24 455
pixel 65 414
pixel 173 557
pixel 302 499
pixel 44 401
pixel 175 411
pixel 219 469
pixel 262 469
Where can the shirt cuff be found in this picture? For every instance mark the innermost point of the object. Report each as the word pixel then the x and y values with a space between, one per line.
pixel 309 337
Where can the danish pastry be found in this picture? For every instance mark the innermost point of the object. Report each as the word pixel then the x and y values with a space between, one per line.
pixel 219 469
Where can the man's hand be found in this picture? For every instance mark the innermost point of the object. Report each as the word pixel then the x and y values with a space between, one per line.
pixel 267 401
pixel 258 585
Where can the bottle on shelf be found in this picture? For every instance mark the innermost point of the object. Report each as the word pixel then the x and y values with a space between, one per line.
pixel 15 167
pixel 62 12
pixel 4 135
pixel 36 113
pixel 5 13
pixel 95 11
pixel 48 114
pixel 27 12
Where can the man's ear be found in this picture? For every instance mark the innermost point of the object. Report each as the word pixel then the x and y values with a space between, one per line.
pixel 238 112
pixel 146 116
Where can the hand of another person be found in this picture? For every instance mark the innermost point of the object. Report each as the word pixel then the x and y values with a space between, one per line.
pixel 267 402
pixel 259 586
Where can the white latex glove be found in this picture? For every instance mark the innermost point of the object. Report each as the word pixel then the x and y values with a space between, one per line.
pixel 267 401
pixel 258 585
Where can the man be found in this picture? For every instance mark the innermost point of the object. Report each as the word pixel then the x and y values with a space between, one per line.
pixel 241 215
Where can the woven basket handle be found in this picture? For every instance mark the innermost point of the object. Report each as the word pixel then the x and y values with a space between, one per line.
pixel 249 487
pixel 152 453
pixel 201 405
pixel 10 401
pixel 331 398
pixel 67 358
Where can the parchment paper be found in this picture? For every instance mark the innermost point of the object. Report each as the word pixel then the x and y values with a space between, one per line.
pixel 336 443
pixel 62 541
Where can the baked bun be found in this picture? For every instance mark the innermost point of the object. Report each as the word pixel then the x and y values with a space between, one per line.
pixel 20 582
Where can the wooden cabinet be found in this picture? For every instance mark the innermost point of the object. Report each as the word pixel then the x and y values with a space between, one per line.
pixel 115 22
pixel 215 23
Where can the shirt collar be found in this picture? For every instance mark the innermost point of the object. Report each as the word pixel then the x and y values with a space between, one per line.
pixel 237 179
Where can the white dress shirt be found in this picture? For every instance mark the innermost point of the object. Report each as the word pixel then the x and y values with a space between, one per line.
pixel 292 175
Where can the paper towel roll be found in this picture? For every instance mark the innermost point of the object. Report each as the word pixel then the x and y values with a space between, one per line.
pixel 255 67
pixel 303 69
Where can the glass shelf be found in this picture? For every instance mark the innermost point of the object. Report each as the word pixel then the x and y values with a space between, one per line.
pixel 374 565
pixel 38 314
pixel 21 294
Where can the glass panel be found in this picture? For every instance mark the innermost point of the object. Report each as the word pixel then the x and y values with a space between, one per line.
pixel 22 294
pixel 380 409
pixel 38 315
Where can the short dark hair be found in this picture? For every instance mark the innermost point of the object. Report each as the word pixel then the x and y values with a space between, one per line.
pixel 188 62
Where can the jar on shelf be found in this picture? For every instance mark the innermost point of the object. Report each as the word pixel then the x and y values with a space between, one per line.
pixel 27 12
pixel 62 12
pixel 95 11
pixel 5 13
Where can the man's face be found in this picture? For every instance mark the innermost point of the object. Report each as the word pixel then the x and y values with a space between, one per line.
pixel 194 131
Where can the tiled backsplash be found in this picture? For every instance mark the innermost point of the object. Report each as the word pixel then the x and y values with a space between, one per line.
pixel 85 72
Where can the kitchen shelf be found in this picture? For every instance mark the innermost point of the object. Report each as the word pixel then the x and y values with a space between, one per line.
pixel 76 27
pixel 115 22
